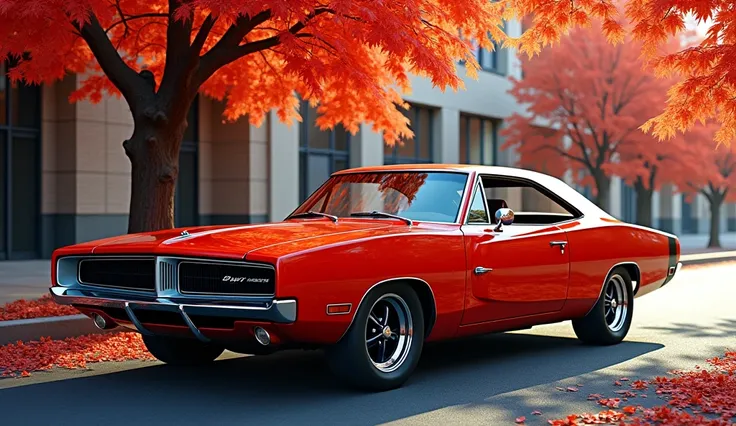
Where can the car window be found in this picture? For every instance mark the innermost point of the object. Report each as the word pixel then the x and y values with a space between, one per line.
pixel 530 204
pixel 421 196
pixel 478 212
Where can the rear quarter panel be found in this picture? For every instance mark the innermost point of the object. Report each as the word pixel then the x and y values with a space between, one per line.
pixel 596 246
pixel 345 271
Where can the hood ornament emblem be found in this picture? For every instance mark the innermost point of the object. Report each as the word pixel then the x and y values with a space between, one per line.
pixel 185 233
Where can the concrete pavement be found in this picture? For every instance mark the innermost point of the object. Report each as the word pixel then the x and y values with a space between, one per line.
pixel 486 380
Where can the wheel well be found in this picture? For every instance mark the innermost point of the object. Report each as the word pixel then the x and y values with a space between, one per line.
pixel 634 273
pixel 426 298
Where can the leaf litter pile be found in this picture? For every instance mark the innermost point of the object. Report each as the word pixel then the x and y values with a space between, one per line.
pixel 22 358
pixel 702 397
pixel 39 308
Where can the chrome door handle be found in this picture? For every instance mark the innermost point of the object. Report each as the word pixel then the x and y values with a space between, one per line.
pixel 562 245
pixel 481 270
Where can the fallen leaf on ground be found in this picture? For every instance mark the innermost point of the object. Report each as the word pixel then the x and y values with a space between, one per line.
pixel 22 358
pixel 536 413
pixel 39 308
pixel 520 419
pixel 572 389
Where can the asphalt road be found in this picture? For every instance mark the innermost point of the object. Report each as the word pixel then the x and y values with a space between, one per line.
pixel 487 380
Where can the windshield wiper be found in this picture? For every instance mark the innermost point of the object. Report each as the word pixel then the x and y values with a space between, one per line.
pixel 313 213
pixel 376 213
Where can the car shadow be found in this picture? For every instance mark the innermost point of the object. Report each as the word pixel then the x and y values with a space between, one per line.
pixel 297 387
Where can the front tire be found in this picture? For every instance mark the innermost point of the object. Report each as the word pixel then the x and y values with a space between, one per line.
pixel 383 345
pixel 609 321
pixel 181 351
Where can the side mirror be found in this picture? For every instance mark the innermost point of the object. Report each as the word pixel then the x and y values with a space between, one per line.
pixel 504 216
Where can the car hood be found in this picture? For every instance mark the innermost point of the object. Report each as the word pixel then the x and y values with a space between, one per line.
pixel 235 242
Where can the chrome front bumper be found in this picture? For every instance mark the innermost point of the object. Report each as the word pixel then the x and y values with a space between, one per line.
pixel 275 311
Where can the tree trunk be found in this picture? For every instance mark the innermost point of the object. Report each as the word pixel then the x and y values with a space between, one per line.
pixel 716 200
pixel 643 204
pixel 603 186
pixel 154 157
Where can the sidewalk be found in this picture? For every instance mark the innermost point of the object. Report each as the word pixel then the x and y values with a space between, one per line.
pixel 30 279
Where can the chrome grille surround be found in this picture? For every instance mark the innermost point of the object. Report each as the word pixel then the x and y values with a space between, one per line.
pixel 166 276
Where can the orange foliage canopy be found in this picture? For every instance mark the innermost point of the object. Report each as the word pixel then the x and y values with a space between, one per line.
pixel 706 71
pixel 351 56
pixel 586 100
pixel 711 172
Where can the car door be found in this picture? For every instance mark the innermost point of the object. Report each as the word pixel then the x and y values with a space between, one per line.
pixel 514 271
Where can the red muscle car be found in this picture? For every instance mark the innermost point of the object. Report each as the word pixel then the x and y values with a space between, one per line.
pixel 372 265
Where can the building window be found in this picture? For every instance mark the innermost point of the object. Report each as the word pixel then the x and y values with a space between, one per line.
pixel 628 203
pixel 689 222
pixel 321 153
pixel 186 198
pixel 20 171
pixel 417 149
pixel 491 60
pixel 478 140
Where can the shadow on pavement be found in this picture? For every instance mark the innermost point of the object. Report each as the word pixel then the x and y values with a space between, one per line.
pixel 297 388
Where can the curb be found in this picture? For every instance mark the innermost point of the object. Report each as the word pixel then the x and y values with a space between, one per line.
pixel 702 258
pixel 79 325
pixel 55 327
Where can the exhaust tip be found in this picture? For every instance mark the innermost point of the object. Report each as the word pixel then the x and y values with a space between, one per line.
pixel 262 336
pixel 99 321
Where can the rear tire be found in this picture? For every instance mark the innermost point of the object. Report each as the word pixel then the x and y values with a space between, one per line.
pixel 380 352
pixel 609 321
pixel 181 351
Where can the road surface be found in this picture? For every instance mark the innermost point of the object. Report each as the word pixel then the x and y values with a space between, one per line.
pixel 485 380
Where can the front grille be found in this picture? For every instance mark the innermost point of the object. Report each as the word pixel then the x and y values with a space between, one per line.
pixel 166 276
pixel 131 274
pixel 226 279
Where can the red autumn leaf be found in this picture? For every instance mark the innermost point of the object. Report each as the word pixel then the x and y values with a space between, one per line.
pixel 640 384
pixel 594 396
pixel 520 419
pixel 572 389
pixel 536 413
pixel 629 409
pixel 617 383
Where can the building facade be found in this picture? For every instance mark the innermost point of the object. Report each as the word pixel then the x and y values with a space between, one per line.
pixel 64 177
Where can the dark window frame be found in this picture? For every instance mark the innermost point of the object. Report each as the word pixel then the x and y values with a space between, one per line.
pixel 306 151
pixel 415 126
pixel 11 131
pixel 494 139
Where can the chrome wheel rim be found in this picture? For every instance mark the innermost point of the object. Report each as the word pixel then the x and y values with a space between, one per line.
pixel 388 332
pixel 616 303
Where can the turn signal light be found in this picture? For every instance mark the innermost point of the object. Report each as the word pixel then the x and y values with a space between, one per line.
pixel 340 308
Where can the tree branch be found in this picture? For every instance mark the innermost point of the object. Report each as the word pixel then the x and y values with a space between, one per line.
pixel 228 49
pixel 120 74
pixel 129 18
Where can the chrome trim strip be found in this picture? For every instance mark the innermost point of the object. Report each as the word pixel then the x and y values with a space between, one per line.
pixel 277 311
pixel 603 285
pixel 198 334
pixel 134 320
pixel 352 320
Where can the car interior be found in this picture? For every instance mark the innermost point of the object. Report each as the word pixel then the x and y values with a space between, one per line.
pixel 531 203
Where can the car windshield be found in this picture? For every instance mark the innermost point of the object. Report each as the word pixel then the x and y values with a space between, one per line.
pixel 421 196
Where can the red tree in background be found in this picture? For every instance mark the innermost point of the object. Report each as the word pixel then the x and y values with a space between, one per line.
pixel 645 168
pixel 345 55
pixel 595 96
pixel 709 171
